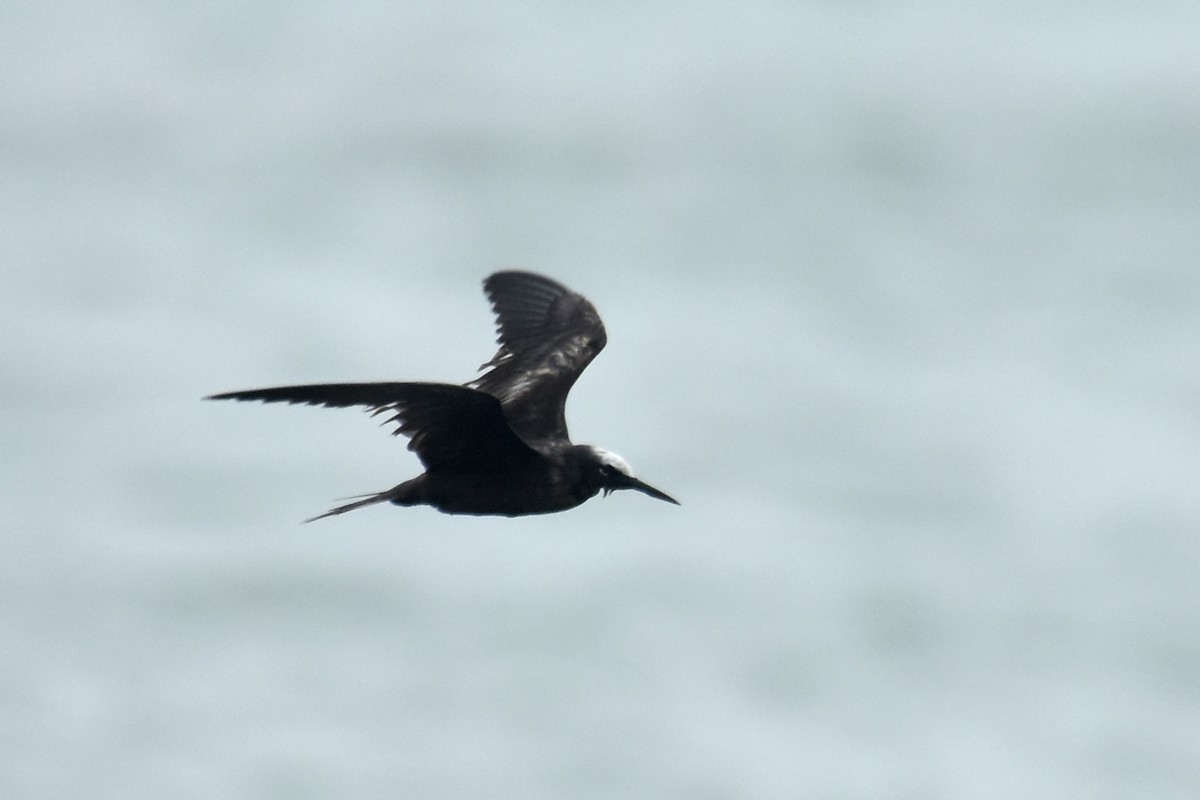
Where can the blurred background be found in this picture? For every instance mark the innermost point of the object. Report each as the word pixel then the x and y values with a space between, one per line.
pixel 902 302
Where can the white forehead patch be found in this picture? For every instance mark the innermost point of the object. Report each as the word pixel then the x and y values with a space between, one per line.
pixel 613 460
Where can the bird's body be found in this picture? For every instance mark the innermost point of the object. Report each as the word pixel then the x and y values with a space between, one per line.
pixel 498 445
pixel 542 485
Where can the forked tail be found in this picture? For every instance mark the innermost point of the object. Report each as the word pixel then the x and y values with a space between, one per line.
pixel 406 494
pixel 359 502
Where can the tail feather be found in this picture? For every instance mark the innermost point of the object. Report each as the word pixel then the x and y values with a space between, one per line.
pixel 360 501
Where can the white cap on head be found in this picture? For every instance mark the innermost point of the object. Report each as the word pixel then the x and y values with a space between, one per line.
pixel 613 460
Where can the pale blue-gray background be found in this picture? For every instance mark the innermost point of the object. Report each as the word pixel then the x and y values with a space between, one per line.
pixel 903 304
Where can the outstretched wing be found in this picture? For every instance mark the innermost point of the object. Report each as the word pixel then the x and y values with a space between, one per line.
pixel 547 336
pixel 448 426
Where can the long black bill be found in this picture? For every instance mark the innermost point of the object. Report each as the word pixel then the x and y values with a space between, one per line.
pixel 646 488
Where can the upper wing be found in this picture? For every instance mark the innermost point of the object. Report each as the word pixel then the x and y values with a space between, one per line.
pixel 448 425
pixel 547 336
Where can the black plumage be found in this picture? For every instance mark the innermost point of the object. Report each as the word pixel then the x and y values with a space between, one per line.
pixel 499 444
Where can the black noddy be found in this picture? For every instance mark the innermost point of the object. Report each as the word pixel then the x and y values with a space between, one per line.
pixel 498 444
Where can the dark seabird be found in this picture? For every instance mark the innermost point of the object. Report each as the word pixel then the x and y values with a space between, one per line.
pixel 499 444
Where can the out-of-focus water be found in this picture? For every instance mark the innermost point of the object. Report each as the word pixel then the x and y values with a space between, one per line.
pixel 902 304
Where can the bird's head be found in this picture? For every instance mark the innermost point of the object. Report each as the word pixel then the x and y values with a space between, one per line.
pixel 611 472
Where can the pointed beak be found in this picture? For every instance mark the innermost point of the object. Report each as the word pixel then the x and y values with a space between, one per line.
pixel 646 488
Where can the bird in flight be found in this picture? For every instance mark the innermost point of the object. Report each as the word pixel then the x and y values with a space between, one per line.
pixel 497 445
